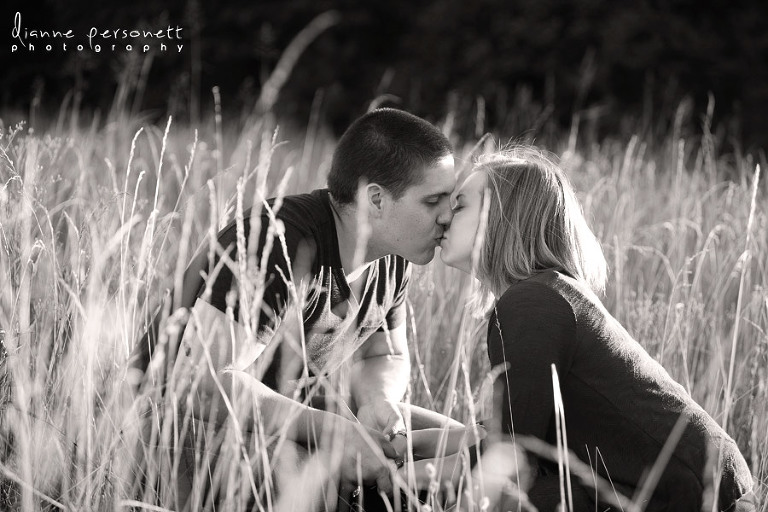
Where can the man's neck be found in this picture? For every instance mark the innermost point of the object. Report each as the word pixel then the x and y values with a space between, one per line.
pixel 350 229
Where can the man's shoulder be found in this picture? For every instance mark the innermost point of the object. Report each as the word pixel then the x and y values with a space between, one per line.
pixel 305 221
pixel 301 215
pixel 301 211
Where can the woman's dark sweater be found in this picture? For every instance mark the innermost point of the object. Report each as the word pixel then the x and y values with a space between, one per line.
pixel 620 404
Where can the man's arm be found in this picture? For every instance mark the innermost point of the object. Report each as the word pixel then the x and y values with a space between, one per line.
pixel 379 379
pixel 223 362
pixel 228 360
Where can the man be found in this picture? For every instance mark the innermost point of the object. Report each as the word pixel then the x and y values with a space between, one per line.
pixel 328 299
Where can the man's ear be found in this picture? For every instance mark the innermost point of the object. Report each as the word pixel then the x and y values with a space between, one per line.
pixel 375 196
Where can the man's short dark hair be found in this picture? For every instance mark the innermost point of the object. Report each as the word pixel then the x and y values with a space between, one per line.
pixel 388 147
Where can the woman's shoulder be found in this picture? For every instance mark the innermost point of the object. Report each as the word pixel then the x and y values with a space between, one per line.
pixel 530 311
pixel 544 284
pixel 539 292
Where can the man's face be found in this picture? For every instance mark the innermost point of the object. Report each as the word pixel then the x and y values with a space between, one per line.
pixel 412 226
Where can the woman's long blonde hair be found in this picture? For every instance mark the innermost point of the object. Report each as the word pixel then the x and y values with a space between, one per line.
pixel 533 223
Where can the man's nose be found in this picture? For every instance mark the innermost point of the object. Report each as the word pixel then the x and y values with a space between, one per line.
pixel 446 215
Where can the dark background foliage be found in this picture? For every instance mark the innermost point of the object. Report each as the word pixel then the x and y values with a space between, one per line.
pixel 606 57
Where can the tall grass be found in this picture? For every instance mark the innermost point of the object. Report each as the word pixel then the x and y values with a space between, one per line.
pixel 95 226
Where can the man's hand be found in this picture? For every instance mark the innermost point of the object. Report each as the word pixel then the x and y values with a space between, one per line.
pixel 382 415
pixel 367 456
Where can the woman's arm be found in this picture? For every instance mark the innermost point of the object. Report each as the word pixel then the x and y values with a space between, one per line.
pixel 533 327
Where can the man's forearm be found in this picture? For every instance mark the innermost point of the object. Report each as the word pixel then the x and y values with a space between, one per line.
pixel 276 414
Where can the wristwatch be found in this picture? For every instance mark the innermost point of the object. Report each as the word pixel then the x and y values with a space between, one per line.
pixel 391 436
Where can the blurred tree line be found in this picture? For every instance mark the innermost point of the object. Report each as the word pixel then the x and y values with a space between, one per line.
pixel 476 59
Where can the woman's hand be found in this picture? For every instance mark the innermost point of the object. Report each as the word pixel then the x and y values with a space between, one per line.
pixel 432 443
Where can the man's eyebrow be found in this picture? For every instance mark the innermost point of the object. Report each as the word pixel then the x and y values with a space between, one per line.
pixel 437 194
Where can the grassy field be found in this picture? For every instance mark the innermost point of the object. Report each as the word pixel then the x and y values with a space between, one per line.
pixel 96 223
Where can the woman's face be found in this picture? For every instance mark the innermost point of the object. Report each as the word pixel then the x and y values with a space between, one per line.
pixel 459 238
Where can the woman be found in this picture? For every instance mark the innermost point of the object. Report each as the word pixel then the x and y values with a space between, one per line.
pixel 519 229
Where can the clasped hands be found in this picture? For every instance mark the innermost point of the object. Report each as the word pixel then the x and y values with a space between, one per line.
pixel 378 449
